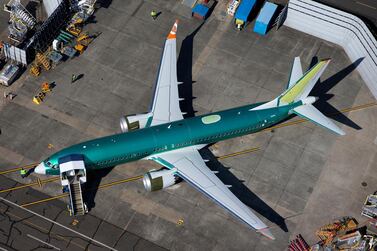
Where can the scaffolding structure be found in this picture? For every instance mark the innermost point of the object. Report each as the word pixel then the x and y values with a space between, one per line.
pixel 20 22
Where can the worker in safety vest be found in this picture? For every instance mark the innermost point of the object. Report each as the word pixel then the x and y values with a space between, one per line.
pixel 239 24
pixel 23 173
pixel 154 14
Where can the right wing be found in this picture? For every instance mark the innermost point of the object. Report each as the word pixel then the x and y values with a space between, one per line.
pixel 191 167
pixel 296 72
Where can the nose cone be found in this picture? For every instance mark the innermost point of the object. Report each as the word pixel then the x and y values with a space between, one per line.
pixel 40 169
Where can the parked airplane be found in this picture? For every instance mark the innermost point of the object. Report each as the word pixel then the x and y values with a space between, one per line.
pixel 164 136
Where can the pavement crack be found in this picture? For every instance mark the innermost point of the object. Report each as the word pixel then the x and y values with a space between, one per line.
pixel 136 243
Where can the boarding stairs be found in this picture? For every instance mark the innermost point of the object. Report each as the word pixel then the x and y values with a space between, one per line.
pixel 78 206
pixel 73 175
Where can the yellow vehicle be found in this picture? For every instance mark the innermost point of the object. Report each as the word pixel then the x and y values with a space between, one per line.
pixel 75 27
pixel 83 41
pixel 38 99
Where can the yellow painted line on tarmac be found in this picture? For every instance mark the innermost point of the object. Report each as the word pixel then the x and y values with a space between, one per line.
pixel 120 182
pixel 37 183
pixel 100 187
pixel 239 153
pixel 45 200
pixel 19 168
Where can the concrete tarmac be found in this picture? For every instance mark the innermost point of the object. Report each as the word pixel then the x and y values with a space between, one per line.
pixel 301 178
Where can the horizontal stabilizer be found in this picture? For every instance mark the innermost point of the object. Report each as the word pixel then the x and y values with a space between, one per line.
pixel 296 72
pixel 311 113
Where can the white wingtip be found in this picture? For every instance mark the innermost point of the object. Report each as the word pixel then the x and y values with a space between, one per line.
pixel 266 232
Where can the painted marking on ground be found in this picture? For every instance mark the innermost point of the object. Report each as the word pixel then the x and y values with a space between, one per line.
pixel 58 224
pixel 366 5
pixel 43 242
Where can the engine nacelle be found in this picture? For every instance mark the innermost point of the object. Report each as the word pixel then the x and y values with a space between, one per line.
pixel 134 122
pixel 157 180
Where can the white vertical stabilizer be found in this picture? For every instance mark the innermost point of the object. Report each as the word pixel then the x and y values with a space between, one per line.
pixel 296 72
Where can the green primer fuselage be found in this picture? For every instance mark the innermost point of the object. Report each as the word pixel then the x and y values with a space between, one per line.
pixel 130 146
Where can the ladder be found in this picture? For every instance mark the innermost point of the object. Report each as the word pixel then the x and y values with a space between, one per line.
pixel 77 203
pixel 44 61
pixel 73 175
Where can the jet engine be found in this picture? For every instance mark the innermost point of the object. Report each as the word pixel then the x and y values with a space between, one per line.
pixel 157 180
pixel 133 122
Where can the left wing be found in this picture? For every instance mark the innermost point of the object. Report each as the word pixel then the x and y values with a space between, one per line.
pixel 191 167
pixel 165 105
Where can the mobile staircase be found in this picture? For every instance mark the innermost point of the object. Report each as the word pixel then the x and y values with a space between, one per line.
pixel 72 176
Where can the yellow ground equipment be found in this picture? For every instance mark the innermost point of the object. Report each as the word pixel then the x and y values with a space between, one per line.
pixel 328 232
pixel 35 70
pixel 83 41
pixel 80 48
pixel 75 27
pixel 46 87
pixel 44 61
pixel 37 99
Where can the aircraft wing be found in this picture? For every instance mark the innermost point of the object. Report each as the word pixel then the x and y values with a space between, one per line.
pixel 191 167
pixel 165 106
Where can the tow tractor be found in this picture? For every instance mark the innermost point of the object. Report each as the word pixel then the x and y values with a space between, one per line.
pixel 72 176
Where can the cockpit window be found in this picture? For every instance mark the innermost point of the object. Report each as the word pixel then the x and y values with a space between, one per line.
pixel 54 166
pixel 48 163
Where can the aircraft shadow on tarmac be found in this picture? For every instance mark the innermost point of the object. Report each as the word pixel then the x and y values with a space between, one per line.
pixel 91 186
pixel 184 75
pixel 242 192
pixel 320 90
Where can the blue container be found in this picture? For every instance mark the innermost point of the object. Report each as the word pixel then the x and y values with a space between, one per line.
pixel 244 9
pixel 264 18
pixel 200 10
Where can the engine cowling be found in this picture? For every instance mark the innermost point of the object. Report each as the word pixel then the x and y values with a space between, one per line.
pixel 133 122
pixel 157 180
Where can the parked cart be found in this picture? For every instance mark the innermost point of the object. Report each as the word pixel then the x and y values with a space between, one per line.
pixel 370 206
pixel 8 74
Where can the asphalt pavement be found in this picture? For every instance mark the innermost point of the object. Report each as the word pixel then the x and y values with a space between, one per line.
pixel 363 8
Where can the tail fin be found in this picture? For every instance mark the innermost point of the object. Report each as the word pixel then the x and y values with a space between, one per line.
pixel 296 72
pixel 304 85
pixel 311 113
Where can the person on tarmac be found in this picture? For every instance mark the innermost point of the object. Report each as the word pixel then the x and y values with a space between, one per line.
pixel 23 173
pixel 154 14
